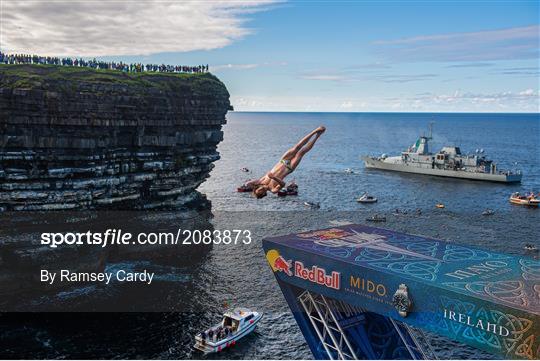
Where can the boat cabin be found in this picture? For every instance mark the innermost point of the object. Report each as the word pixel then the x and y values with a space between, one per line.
pixel 237 318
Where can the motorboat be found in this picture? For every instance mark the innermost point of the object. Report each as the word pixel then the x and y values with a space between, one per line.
pixel 312 205
pixel 439 205
pixel 236 324
pixel 530 247
pixel 244 169
pixel 290 190
pixel 349 171
pixel 525 200
pixel 376 218
pixel 244 188
pixel 488 212
pixel 366 198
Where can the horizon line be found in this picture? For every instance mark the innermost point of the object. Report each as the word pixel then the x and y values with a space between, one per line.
pixel 381 112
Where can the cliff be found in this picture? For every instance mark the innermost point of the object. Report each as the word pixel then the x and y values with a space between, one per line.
pixel 77 138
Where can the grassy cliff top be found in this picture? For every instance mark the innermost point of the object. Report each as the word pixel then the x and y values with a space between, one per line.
pixel 62 78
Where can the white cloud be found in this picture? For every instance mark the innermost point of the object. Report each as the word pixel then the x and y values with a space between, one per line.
pixel 217 68
pixel 233 67
pixel 102 27
pixel 501 44
pixel 527 92
pixel 324 77
pixel 347 104
pixel 527 100
pixel 386 77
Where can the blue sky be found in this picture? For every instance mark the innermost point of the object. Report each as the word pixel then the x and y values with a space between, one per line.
pixel 451 56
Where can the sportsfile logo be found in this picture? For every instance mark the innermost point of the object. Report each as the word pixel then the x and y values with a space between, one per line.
pixel 314 274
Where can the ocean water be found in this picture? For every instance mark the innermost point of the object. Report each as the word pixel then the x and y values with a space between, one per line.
pixel 238 275
pixel 257 140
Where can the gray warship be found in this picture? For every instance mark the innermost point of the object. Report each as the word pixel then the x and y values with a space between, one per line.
pixel 448 162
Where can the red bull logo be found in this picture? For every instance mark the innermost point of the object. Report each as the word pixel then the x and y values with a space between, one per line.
pixel 313 274
pixel 280 264
pixel 317 275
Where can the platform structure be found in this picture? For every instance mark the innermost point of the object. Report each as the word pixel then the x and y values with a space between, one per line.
pixel 361 292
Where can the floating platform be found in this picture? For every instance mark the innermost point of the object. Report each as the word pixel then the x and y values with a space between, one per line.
pixel 342 284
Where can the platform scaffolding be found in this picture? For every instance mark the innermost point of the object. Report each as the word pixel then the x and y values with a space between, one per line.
pixel 332 320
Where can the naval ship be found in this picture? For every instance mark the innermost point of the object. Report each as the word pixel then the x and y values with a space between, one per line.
pixel 448 162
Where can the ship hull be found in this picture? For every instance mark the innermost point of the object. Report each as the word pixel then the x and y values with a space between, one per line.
pixel 396 167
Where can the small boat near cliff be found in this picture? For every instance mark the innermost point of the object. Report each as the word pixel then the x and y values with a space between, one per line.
pixel 235 325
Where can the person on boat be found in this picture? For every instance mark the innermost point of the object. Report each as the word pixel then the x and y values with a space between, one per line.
pixel 203 337
pixel 273 180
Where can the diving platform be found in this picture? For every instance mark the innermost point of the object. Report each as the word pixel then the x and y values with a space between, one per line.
pixel 360 292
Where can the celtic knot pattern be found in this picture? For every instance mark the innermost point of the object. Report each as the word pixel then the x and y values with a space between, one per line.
pixel 425 270
pixel 530 269
pixel 425 248
pixel 518 327
pixel 480 335
pixel 506 291
pixel 369 254
pixel 457 253
pixel 465 308
pixel 340 252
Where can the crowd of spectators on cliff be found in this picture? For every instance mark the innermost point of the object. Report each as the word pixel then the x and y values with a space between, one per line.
pixel 99 64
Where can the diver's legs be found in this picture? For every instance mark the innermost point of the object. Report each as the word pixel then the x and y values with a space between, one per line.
pixel 291 153
pixel 298 156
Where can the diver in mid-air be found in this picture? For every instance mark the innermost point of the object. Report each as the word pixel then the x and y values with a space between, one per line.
pixel 273 180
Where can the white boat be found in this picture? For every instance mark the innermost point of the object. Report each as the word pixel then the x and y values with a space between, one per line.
pixel 313 205
pixel 530 200
pixel 366 198
pixel 530 247
pixel 235 325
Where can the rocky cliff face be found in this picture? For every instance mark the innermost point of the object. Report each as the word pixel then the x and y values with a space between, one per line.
pixel 100 141
pixel 76 138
